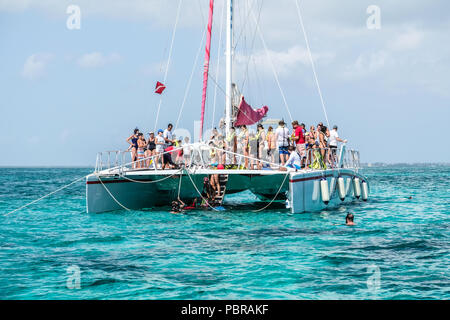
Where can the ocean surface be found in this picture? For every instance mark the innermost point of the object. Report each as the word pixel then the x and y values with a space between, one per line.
pixel 399 249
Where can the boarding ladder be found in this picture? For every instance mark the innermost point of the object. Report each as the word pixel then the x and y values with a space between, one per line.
pixel 223 179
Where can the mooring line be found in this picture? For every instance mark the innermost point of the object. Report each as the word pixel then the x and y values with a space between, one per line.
pixel 43 197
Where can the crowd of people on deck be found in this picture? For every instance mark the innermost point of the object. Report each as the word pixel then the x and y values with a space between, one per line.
pixel 281 148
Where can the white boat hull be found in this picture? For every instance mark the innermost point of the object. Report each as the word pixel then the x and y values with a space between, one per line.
pixel 305 189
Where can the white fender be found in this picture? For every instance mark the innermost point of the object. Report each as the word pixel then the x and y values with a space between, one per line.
pixel 325 191
pixel 341 188
pixel 364 191
pixel 356 187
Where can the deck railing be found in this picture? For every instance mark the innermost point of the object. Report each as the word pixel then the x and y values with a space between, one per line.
pixel 200 155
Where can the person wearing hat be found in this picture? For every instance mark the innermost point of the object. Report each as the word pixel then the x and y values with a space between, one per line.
pixel 299 139
pixel 160 143
pixel 282 138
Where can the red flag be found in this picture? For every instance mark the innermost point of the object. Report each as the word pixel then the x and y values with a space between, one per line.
pixel 159 88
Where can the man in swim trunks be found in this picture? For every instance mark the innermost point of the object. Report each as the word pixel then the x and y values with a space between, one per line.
pixel 282 138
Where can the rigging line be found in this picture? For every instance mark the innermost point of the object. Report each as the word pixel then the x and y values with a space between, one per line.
pixel 190 79
pixel 179 184
pixel 201 196
pixel 312 61
pixel 147 182
pixel 219 47
pixel 43 197
pixel 174 31
pixel 252 47
pixel 217 85
pixel 117 201
pixel 272 66
pixel 278 192
pixel 244 24
pixel 221 89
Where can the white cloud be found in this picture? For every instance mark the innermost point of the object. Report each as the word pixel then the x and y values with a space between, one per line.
pixel 154 69
pixel 35 65
pixel 408 40
pixel 286 62
pixel 97 59
pixel 368 64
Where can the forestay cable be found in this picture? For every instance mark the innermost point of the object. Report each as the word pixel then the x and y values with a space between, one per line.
pixel 272 66
pixel 219 48
pixel 312 60
pixel 190 79
pixel 168 60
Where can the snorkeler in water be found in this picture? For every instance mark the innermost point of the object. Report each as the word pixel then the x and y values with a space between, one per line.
pixel 349 219
pixel 179 206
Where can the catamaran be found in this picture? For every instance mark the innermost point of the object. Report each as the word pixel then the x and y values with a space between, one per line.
pixel 324 182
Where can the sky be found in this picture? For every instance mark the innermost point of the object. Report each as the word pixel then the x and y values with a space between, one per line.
pixel 68 93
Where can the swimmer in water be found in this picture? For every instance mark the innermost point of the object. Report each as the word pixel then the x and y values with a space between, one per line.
pixel 177 206
pixel 349 219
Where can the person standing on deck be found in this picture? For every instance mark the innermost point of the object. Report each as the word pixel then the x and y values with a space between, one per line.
pixel 142 144
pixel 271 144
pixel 282 137
pixel 151 148
pixel 299 139
pixel 333 143
pixel 253 150
pixel 244 139
pixel 262 143
pixel 132 140
pixel 167 135
pixel 160 143
pixel 231 142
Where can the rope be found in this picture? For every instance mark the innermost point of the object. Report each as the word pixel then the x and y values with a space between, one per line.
pixel 278 192
pixel 200 194
pixel 43 197
pixel 190 80
pixel 272 66
pixel 148 182
pixel 219 47
pixel 170 57
pixel 250 57
pixel 179 184
pixel 117 201
pixel 312 61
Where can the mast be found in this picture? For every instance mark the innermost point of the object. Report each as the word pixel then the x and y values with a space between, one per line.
pixel 229 66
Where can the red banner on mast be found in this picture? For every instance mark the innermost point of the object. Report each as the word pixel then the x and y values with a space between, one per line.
pixel 206 68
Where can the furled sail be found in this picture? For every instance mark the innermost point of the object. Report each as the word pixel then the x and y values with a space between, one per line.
pixel 247 115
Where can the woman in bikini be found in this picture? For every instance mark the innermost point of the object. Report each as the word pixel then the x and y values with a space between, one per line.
pixel 132 140
pixel 151 149
pixel 142 144
pixel 244 138
pixel 271 144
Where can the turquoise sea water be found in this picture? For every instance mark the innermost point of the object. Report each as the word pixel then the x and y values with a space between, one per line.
pixel 400 248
